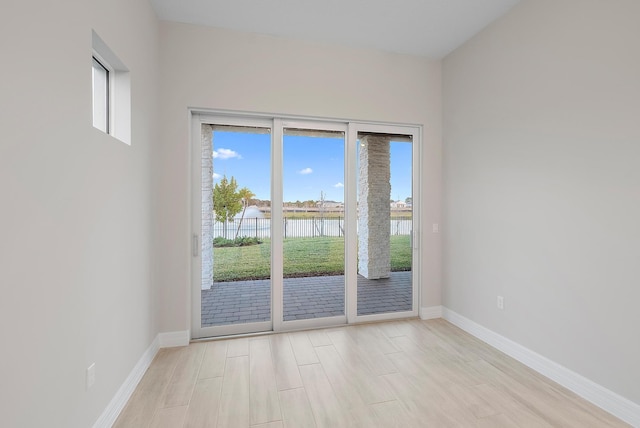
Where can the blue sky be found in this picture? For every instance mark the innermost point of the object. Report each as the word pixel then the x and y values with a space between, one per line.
pixel 311 165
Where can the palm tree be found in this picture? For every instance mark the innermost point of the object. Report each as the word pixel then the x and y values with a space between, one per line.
pixel 245 196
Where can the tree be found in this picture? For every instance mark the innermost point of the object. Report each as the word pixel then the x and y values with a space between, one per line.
pixel 226 201
pixel 408 200
pixel 245 197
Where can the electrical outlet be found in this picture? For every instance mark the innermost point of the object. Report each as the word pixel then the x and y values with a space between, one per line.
pixel 436 228
pixel 91 375
pixel 500 302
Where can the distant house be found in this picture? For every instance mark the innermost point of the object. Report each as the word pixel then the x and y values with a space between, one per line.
pixel 398 204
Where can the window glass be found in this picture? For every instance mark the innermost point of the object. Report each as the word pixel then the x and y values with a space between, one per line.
pixel 100 81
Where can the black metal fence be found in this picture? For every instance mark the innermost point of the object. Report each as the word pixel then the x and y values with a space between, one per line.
pixel 299 227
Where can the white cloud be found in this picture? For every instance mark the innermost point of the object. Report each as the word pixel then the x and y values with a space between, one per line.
pixel 305 171
pixel 216 176
pixel 222 153
pixel 338 185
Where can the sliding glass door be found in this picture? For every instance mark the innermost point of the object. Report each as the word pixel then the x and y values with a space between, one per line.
pixel 385 223
pixel 235 233
pixel 313 250
pixel 301 224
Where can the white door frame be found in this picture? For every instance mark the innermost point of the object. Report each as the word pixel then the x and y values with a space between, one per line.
pixel 277 124
pixel 278 322
pixel 197 120
pixel 351 200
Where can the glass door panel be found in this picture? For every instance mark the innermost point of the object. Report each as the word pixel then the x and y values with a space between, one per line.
pixel 236 225
pixel 313 224
pixel 385 223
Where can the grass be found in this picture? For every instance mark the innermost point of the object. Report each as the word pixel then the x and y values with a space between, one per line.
pixel 302 257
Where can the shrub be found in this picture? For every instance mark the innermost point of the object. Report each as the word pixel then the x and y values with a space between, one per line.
pixel 243 241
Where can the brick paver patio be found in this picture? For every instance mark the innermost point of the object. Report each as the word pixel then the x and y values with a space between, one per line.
pixel 315 297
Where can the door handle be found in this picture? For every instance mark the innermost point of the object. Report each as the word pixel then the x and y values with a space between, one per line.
pixel 195 247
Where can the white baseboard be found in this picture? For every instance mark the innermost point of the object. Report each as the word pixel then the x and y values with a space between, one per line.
pixel 162 340
pixel 174 338
pixel 431 312
pixel 602 397
pixel 111 413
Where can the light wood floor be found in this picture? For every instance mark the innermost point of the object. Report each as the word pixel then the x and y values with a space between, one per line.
pixel 409 373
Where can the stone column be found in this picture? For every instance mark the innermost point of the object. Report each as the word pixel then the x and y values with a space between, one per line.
pixel 374 220
pixel 206 251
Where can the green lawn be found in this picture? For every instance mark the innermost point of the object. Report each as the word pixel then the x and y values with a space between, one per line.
pixel 302 257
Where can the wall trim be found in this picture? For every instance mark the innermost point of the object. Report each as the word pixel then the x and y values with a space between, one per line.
pixel 602 397
pixel 430 312
pixel 112 411
pixel 174 338
pixel 122 396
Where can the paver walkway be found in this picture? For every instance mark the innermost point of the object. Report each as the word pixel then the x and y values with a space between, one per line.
pixel 304 298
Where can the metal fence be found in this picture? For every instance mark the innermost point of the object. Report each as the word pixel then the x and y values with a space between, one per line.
pixel 299 227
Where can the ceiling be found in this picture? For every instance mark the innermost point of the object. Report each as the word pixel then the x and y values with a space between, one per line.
pixel 430 28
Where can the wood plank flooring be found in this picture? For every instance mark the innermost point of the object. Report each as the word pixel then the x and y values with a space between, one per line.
pixel 408 373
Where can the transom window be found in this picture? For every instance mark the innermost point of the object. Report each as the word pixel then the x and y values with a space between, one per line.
pixel 111 92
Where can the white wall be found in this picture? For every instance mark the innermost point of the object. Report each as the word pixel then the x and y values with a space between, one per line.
pixel 75 235
pixel 221 69
pixel 542 184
